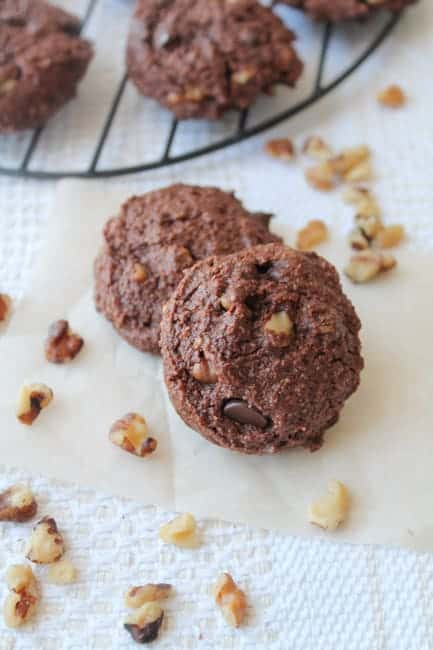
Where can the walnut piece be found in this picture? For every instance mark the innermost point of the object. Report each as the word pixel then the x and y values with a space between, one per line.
pixel 370 226
pixel 62 345
pixel 132 435
pixel 321 176
pixel 358 240
pixel 17 503
pixel 244 75
pixel 139 272
pixel 7 86
pixel 23 601
pixel 368 264
pixel 363 200
pixel 331 510
pixel 315 232
pixel 279 328
pixel 46 544
pixel 5 307
pixel 361 172
pixel 389 236
pixel 230 599
pixel 392 97
pixel 144 623
pixel 281 148
pixel 349 159
pixel 204 372
pixel 32 399
pixel 316 148
pixel 62 572
pixel 181 531
pixel 137 596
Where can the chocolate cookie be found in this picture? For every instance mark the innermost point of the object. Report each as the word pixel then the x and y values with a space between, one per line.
pixel 336 10
pixel 153 240
pixel 201 58
pixel 42 59
pixel 261 349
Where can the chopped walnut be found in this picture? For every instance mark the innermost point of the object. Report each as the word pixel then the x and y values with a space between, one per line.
pixel 230 599
pixel 144 623
pixel 17 503
pixel 23 601
pixel 366 265
pixel 280 328
pixel 46 543
pixel 315 232
pixel 194 94
pixel 315 147
pixel 204 372
pixel 281 148
pixel 364 202
pixel 331 510
pixel 31 400
pixel 7 86
pixel 5 307
pixel 132 435
pixel 62 572
pixel 244 75
pixel 137 596
pixel 349 159
pixel 321 177
pixel 181 531
pixel 62 345
pixel 389 236
pixel 392 97
pixel 358 240
pixel 370 226
pixel 226 301
pixel 139 272
pixel 361 172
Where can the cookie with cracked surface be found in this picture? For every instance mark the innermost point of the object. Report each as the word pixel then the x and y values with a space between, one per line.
pixel 337 10
pixel 153 240
pixel 42 60
pixel 261 349
pixel 201 58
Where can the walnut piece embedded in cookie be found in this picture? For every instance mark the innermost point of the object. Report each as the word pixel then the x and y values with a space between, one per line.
pixel 62 572
pixel 17 503
pixel 181 531
pixel 32 399
pixel 5 307
pixel 281 148
pixel 315 232
pixel 145 622
pixel 23 601
pixel 62 345
pixel 137 596
pixel 131 434
pixel 331 510
pixel 46 543
pixel 392 97
pixel 230 599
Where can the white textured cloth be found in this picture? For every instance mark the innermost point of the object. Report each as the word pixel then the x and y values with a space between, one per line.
pixel 303 595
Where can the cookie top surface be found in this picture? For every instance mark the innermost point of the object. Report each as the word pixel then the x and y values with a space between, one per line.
pixel 42 59
pixel 336 10
pixel 200 58
pixel 261 349
pixel 153 240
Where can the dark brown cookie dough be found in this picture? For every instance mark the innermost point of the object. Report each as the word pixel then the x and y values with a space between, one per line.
pixel 153 240
pixel 201 58
pixel 336 10
pixel 261 349
pixel 42 59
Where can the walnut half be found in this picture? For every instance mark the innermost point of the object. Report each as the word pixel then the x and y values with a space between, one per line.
pixel 46 543
pixel 17 503
pixel 22 602
pixel 230 599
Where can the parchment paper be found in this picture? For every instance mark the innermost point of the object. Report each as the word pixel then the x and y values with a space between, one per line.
pixel 382 448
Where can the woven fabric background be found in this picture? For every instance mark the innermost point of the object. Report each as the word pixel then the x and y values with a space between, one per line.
pixel 303 595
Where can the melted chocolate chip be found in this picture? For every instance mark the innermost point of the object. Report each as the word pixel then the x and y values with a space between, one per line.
pixel 239 411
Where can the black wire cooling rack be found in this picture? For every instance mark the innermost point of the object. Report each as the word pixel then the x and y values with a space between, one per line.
pixel 242 132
